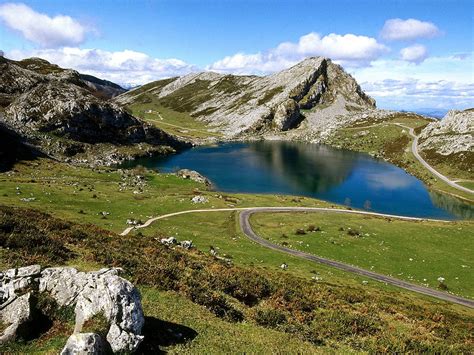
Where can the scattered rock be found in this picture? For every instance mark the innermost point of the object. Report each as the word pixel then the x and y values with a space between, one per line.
pixel 92 293
pixel 199 199
pixel 27 199
pixel 187 244
pixel 169 241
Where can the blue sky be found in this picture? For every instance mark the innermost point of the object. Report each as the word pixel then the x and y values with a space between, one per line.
pixel 407 54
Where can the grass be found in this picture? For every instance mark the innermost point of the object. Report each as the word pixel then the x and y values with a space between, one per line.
pixel 81 195
pixel 195 303
pixel 468 184
pixel 270 94
pixel 418 252
pixel 393 143
pixel 174 122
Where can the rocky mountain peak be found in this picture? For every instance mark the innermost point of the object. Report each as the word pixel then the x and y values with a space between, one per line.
pixel 242 104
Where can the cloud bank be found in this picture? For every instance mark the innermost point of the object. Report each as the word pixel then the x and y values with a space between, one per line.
pixel 349 49
pixel 127 68
pixel 48 32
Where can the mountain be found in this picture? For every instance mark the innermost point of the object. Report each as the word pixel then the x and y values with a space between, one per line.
pixel 65 114
pixel 308 95
pixel 450 139
pixel 99 87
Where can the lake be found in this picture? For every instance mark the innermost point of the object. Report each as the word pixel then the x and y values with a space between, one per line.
pixel 320 171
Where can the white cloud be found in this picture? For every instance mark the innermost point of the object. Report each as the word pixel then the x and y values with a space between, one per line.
pixel 416 53
pixel 398 30
pixel 349 49
pixel 128 68
pixel 437 82
pixel 41 29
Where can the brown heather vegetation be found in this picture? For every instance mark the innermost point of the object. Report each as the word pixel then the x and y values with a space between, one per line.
pixel 321 313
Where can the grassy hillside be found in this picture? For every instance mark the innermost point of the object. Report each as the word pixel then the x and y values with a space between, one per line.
pixel 195 303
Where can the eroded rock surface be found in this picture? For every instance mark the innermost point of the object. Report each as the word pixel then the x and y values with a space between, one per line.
pixel 453 134
pixel 101 292
pixel 68 115
pixel 84 344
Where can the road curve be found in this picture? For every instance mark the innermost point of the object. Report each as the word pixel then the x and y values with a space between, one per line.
pixel 248 231
pixel 296 209
pixel 414 149
pixel 244 222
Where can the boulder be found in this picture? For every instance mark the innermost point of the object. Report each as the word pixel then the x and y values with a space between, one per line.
pixel 193 175
pixel 14 313
pixel 199 199
pixel 84 343
pixel 169 241
pixel 101 292
pixel 186 244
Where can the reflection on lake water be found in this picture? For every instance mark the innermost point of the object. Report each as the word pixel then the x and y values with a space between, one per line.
pixel 313 170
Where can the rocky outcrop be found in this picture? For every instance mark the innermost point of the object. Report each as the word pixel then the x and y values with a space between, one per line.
pixel 253 105
pixel 453 134
pixel 94 293
pixel 193 175
pixel 287 115
pixel 65 116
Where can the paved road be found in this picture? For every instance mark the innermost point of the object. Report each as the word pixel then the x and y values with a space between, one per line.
pixel 414 149
pixel 248 231
pixel 246 212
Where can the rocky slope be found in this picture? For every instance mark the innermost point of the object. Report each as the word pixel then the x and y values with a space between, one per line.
pixel 67 117
pixel 453 134
pixel 308 95
pixel 450 142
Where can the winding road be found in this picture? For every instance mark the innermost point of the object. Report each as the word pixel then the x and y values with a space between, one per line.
pixel 246 227
pixel 414 149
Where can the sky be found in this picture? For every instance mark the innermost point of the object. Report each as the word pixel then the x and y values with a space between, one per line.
pixel 406 54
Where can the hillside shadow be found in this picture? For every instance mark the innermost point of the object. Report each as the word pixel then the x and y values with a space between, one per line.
pixel 14 149
pixel 159 333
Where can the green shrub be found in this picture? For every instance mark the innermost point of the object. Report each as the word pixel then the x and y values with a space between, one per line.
pixel 269 317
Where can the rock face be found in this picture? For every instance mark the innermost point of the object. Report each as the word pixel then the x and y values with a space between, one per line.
pixel 66 115
pixel 258 105
pixel 453 134
pixel 93 293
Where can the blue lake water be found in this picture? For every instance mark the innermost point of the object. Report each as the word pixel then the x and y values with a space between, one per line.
pixel 319 171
